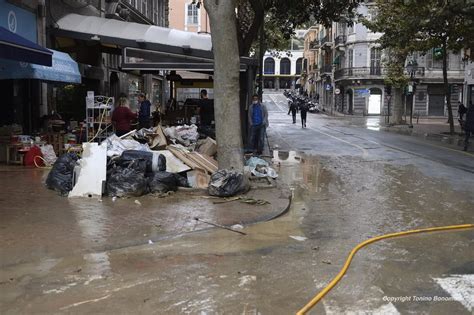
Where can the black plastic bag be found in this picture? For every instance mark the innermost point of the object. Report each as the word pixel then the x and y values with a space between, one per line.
pixel 181 181
pixel 162 182
pixel 126 181
pixel 60 176
pixel 226 183
pixel 141 159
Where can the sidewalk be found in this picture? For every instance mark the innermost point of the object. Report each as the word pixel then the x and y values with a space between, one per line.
pixel 430 128
pixel 38 224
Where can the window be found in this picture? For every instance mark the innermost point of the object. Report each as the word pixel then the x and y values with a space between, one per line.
pixel 350 58
pixel 269 66
pixel 285 66
pixel 375 61
pixel 299 64
pixel 433 62
pixel 145 7
pixel 350 61
pixel 155 13
pixel 192 14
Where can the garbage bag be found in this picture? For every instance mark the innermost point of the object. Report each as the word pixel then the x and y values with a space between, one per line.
pixel 181 181
pixel 126 181
pixel 225 183
pixel 162 182
pixel 141 158
pixel 60 176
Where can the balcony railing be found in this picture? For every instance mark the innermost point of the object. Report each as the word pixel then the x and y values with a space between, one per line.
pixel 314 44
pixel 326 40
pixel 369 73
pixel 340 40
pixel 326 69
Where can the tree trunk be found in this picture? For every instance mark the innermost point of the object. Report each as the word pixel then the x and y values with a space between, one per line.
pixel 397 107
pixel 447 89
pixel 226 83
pixel 261 51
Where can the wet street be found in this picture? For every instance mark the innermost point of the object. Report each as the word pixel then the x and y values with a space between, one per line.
pixel 349 181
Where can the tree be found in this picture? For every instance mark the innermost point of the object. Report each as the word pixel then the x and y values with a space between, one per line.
pixel 235 25
pixel 410 26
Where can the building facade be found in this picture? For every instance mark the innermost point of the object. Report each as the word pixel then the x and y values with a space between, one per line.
pixel 468 94
pixel 283 69
pixel 351 73
pixel 188 16
pixel 99 65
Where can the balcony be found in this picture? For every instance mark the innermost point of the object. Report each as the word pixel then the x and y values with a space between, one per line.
pixel 326 69
pixel 326 42
pixel 359 73
pixel 340 40
pixel 369 73
pixel 313 45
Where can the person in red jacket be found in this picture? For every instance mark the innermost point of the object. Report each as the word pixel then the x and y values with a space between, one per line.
pixel 122 117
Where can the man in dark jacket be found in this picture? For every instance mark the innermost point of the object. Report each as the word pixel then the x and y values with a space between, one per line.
pixel 303 111
pixel 258 120
pixel 469 125
pixel 293 109
pixel 144 111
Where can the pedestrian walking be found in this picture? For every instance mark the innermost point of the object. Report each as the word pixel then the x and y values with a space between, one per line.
pixel 293 109
pixel 144 112
pixel 303 112
pixel 258 120
pixel 468 125
pixel 461 110
pixel 122 117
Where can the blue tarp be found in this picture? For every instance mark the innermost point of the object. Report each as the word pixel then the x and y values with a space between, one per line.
pixel 63 69
pixel 15 47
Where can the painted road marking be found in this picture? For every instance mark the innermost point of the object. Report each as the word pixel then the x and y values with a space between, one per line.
pixel 460 287
pixel 386 309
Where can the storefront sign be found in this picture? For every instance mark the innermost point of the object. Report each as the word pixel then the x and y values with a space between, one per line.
pixel 362 92
pixel 18 21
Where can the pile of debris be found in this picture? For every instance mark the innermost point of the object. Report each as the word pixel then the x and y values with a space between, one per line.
pixel 150 161
pixel 140 162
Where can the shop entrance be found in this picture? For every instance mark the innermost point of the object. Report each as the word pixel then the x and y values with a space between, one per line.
pixel 375 102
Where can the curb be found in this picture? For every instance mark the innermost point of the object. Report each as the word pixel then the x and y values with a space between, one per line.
pixel 451 139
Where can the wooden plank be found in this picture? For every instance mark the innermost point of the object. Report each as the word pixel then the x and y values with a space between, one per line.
pixel 183 157
pixel 201 160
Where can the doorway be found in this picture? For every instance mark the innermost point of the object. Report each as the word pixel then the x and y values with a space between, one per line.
pixel 436 105
pixel 375 102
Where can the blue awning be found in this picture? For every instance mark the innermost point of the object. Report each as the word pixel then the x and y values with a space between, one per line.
pixel 15 47
pixel 63 69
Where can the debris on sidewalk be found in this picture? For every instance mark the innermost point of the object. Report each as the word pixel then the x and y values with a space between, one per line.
pixel 219 226
pixel 225 183
pixel 91 172
pixel 260 168
pixel 298 238
pixel 207 146
pixel 60 176
pixel 185 135
pixel 247 200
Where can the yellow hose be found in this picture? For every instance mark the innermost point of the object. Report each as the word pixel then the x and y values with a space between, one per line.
pixel 341 273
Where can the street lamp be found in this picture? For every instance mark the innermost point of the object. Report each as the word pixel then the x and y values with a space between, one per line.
pixel 412 67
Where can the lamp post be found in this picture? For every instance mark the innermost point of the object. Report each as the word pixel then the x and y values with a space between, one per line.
pixel 412 67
